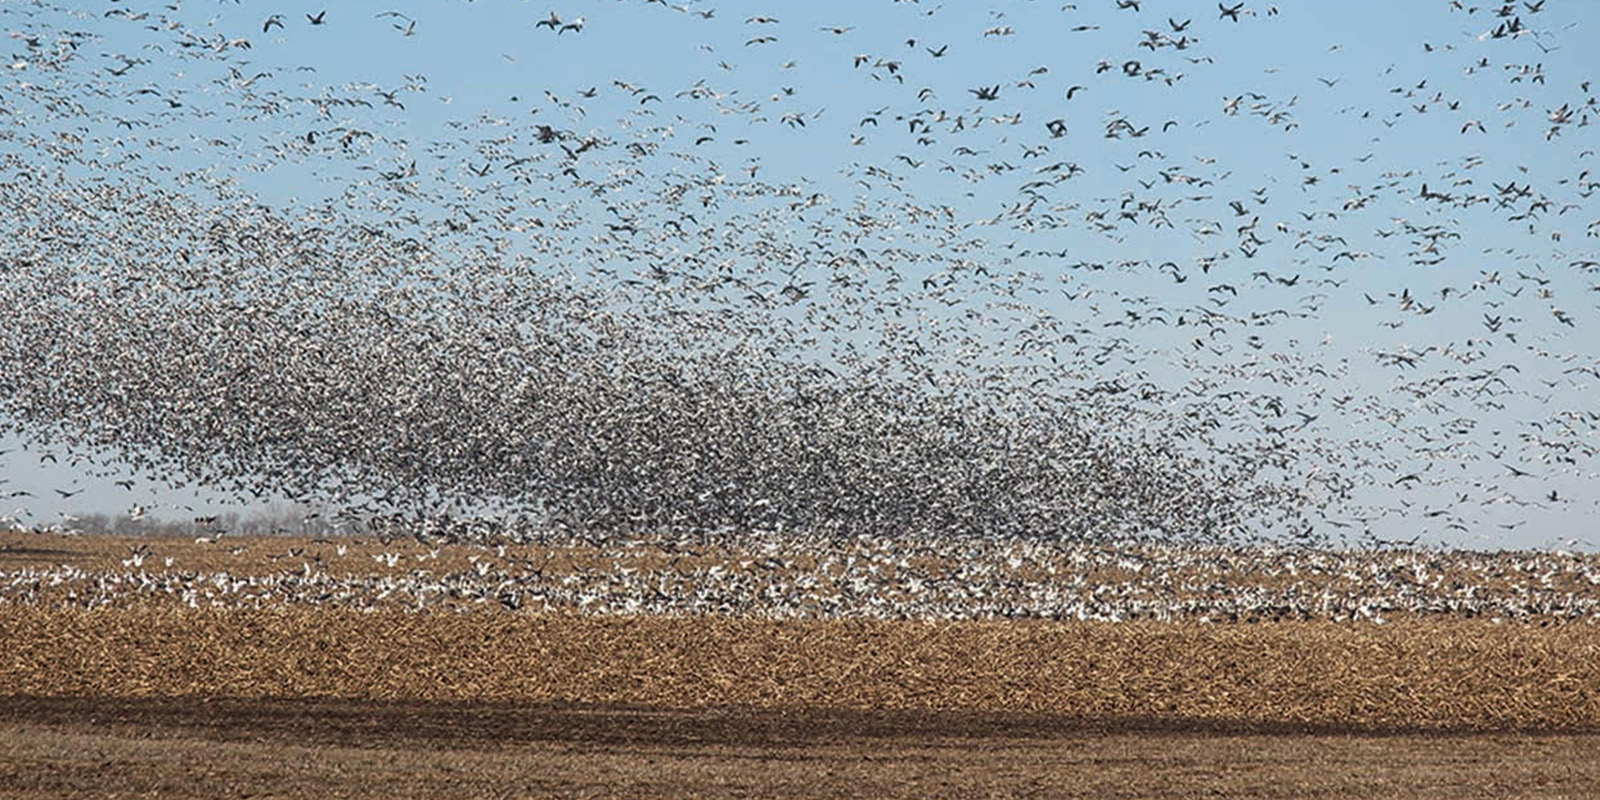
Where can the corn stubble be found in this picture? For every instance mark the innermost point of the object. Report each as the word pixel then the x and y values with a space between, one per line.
pixel 1412 675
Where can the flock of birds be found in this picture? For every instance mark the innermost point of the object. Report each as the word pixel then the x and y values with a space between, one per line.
pixel 774 577
pixel 660 324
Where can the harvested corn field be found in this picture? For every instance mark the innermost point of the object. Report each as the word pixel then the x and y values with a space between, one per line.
pixel 1416 675
pixel 314 694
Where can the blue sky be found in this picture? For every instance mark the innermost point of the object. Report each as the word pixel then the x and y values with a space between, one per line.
pixel 1289 113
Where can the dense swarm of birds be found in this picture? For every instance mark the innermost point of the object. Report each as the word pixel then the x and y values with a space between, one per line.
pixel 1015 315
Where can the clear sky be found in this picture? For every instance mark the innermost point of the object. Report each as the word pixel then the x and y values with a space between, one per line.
pixel 1320 120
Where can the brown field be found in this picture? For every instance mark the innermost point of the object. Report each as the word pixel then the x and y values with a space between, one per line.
pixel 191 748
pixel 161 699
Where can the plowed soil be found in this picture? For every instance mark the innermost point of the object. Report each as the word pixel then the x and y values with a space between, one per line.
pixel 194 748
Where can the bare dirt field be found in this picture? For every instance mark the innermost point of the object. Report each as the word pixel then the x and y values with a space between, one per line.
pixel 107 693
pixel 180 748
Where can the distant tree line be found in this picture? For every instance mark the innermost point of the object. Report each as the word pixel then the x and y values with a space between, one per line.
pixel 278 519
